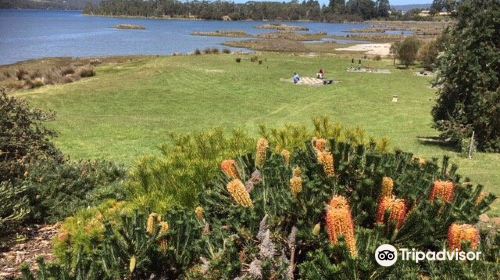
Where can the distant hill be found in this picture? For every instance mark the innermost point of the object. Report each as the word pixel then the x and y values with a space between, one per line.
pixel 46 4
pixel 406 8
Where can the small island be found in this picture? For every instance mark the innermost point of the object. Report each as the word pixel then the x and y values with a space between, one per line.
pixel 282 27
pixel 129 27
pixel 224 33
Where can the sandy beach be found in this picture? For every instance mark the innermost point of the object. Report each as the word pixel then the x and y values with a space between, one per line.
pixel 373 49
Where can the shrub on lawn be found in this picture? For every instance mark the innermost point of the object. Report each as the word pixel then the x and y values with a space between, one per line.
pixel 215 51
pixel 197 52
pixel 207 51
pixel 226 51
pixel 254 58
pixel 238 59
pixel 377 58
pixel 407 50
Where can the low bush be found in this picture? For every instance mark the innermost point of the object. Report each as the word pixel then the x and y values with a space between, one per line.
pixel 207 51
pixel 215 51
pixel 21 74
pixel 254 58
pixel 238 59
pixel 377 58
pixel 226 51
pixel 67 71
pixel 197 52
pixel 86 71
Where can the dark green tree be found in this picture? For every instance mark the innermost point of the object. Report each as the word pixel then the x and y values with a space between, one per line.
pixel 468 80
pixel 383 8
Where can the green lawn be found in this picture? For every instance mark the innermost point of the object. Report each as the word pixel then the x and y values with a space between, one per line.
pixel 128 109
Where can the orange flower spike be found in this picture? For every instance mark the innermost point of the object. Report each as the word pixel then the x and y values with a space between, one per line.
pixel 320 144
pixel 339 201
pixel 454 237
pixel 397 208
pixel 228 166
pixel 239 193
pixel 444 190
pixel 260 156
pixel 387 187
pixel 457 234
pixel 326 159
pixel 471 234
pixel 339 223
pixel 296 185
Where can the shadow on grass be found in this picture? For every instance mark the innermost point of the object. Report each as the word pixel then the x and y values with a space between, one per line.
pixel 437 142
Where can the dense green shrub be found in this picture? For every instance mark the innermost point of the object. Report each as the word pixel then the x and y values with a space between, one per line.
pixel 284 232
pixel 468 78
pixel 57 191
pixel 14 206
pixel 407 50
pixel 24 139
pixel 428 52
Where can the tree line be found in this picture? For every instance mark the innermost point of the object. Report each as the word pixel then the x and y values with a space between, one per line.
pixel 336 10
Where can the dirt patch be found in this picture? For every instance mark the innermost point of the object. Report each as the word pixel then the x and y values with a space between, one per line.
pixel 38 243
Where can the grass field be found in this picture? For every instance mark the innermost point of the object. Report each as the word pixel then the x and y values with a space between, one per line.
pixel 128 109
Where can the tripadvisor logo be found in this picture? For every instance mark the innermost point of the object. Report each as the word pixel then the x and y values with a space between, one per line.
pixel 387 255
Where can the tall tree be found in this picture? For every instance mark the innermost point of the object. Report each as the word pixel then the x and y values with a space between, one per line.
pixel 383 8
pixel 469 77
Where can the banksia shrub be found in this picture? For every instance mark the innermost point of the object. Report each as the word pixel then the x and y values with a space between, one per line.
pixel 260 156
pixel 397 208
pixel 457 234
pixel 326 159
pixel 387 187
pixel 444 190
pixel 297 172
pixel 228 166
pixel 164 228
pixel 339 223
pixel 296 185
pixel 239 193
pixel 481 197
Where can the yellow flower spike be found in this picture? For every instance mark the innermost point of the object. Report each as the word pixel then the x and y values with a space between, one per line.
pixel 316 229
pixel 239 193
pixel 200 213
pixel 133 262
pixel 151 223
pixel 339 223
pixel 229 168
pixel 297 172
pixel 387 187
pixel 260 156
pixel 296 185
pixel 481 197
pixel 164 228
pixel 286 156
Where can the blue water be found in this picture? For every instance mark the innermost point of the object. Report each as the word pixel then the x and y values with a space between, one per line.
pixel 31 34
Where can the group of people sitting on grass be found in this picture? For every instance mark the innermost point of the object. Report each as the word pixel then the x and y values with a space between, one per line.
pixel 320 75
